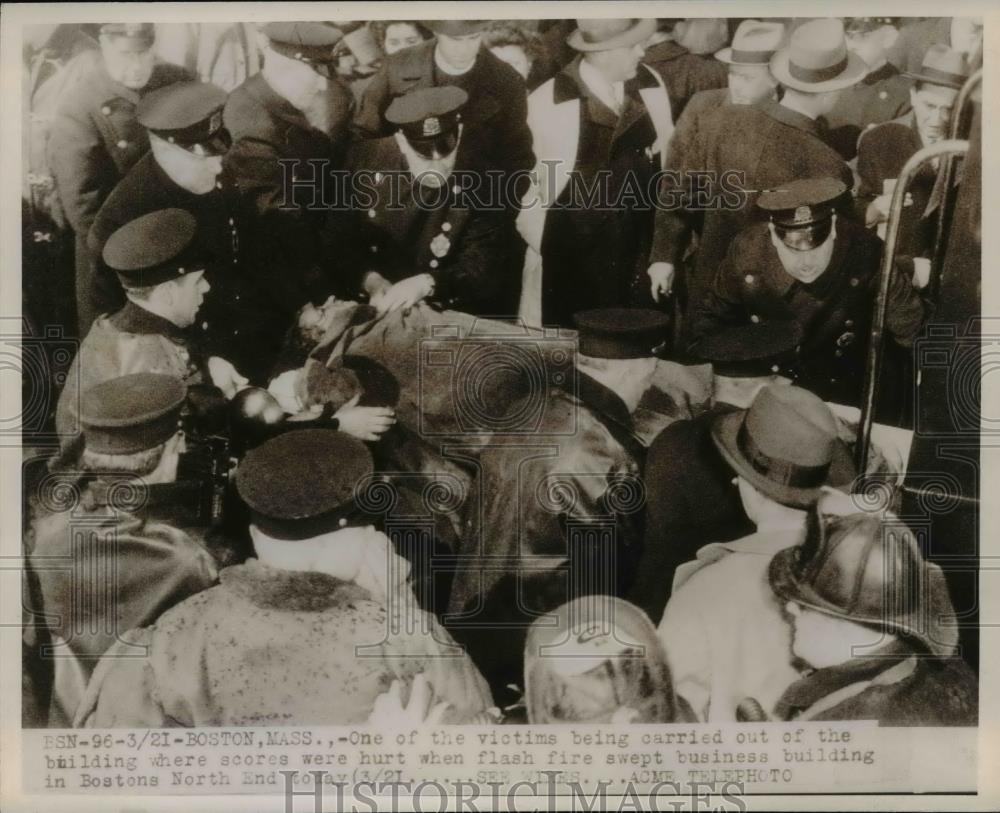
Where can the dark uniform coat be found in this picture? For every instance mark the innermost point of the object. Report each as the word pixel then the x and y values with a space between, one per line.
pixel 288 198
pixel 469 252
pixel 770 145
pixel 685 74
pixel 495 117
pixel 237 320
pixel 595 255
pixel 909 689
pixel 94 141
pixel 883 95
pixel 546 521
pixel 103 569
pixel 882 152
pixel 834 311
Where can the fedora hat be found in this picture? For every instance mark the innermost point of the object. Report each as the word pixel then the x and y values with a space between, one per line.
pixel 864 569
pixel 754 43
pixel 605 34
pixel 816 59
pixel 785 445
pixel 942 66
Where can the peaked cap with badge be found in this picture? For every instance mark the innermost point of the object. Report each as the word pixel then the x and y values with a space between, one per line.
pixel 429 118
pixel 188 115
pixel 155 248
pixel 131 413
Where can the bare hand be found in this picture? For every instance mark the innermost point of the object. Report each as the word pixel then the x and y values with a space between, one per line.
pixel 404 294
pixel 661 279
pixel 225 377
pixel 421 710
pixel 364 423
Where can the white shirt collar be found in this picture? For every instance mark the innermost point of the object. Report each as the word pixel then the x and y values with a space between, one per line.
pixel 611 93
pixel 448 69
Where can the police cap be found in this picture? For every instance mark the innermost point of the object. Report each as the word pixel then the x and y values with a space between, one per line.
pixel 750 351
pixel 429 118
pixel 802 210
pixel 302 483
pixel 132 413
pixel 141 34
pixel 309 42
pixel 188 114
pixel 621 333
pixel 154 248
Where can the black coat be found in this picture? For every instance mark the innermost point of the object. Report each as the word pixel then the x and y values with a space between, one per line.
pixel 94 141
pixel 770 145
pixel 684 73
pixel 272 144
pixel 882 152
pixel 469 250
pixel 546 521
pixel 834 312
pixel 238 319
pixel 690 502
pixel 595 252
pixel 495 117
pixel 882 96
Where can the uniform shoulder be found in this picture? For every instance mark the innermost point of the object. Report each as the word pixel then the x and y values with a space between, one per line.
pixel 708 99
pixel 244 113
pixel 374 154
pixel 89 91
pixel 500 73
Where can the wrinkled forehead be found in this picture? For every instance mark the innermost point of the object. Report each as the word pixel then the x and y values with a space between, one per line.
pixel 936 95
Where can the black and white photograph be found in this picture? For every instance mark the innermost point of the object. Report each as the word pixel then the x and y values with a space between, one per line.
pixel 563 412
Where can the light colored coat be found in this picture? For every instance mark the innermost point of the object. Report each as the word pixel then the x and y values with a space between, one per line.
pixel 280 647
pixel 723 628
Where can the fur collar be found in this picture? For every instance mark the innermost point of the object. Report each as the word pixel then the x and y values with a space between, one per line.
pixel 290 590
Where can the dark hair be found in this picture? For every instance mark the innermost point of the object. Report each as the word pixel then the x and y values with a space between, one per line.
pixel 381 27
pixel 501 33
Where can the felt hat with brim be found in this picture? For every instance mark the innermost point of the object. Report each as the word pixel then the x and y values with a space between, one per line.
pixel 754 43
pixel 816 59
pixel 868 569
pixel 455 28
pixel 786 445
pixel 605 34
pixel 942 66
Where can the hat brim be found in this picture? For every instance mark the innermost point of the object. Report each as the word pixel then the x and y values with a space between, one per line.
pixel 853 72
pixel 841 473
pixel 726 55
pixel 640 32
pixel 926 628
pixel 955 84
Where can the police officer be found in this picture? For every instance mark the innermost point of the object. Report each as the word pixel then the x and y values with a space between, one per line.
pixel 95 138
pixel 183 170
pixel 427 234
pixel 819 270
pixel 295 111
pixel 496 115
pixel 138 559
pixel 161 266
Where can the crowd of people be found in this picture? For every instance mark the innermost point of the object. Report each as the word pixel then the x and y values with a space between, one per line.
pixel 481 366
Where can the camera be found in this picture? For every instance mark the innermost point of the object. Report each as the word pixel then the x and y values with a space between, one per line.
pixel 493 379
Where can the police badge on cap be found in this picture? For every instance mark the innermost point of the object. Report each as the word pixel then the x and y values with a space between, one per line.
pixel 188 115
pixel 429 118
pixel 802 210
